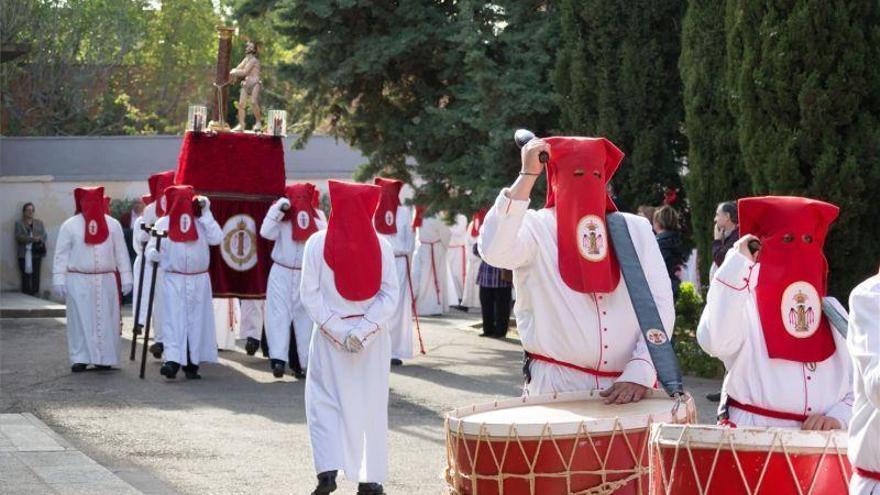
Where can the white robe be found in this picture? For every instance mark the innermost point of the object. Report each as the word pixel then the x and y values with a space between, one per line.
pixel 283 304
pixel 598 330
pixel 456 259
pixel 227 321
pixel 863 340
pixel 187 308
pixel 400 325
pixel 471 293
pixel 429 268
pixel 253 314
pixel 88 273
pixel 138 238
pixel 347 394
pixel 730 330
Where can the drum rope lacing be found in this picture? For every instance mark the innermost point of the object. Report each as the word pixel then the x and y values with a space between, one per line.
pixel 728 440
pixel 456 478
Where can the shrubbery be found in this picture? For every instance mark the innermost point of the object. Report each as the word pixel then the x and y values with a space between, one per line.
pixel 691 357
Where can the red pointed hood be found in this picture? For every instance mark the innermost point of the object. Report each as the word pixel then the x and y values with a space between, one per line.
pixel 302 211
pixel 90 204
pixel 477 221
pixel 351 247
pixel 793 274
pixel 385 218
pixel 158 183
pixel 181 214
pixel 577 178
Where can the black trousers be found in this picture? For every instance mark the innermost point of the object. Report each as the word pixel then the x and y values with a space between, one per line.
pixel 495 302
pixel 30 282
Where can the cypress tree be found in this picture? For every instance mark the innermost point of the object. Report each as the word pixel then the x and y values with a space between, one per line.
pixel 715 171
pixel 807 87
pixel 617 76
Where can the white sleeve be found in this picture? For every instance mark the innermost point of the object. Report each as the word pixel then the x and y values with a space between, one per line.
pixel 329 323
pixel 384 303
pixel 724 324
pixel 161 225
pixel 504 243
pixel 120 251
pixel 62 254
pixel 271 227
pixel 864 339
pixel 212 228
pixel 406 232
pixel 139 236
pixel 640 369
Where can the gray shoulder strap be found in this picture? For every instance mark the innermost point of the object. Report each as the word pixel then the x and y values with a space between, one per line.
pixel 659 346
pixel 836 314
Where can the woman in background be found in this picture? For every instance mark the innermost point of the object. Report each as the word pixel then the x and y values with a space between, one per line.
pixel 30 240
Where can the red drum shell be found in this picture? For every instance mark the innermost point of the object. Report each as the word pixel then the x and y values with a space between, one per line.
pixel 702 460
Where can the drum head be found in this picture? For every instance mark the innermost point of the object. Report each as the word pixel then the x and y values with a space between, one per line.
pixel 748 438
pixel 562 414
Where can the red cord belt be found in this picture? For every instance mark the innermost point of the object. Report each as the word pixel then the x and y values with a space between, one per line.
pixel 90 273
pixel 769 413
pixel 187 273
pixel 864 473
pixel 589 371
pixel 294 268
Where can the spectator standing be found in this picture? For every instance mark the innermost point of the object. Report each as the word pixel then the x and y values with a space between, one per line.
pixel 30 240
pixel 669 238
pixel 726 232
pixel 495 296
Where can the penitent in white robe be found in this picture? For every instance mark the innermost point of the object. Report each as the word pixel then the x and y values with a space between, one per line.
pixel 429 268
pixel 471 293
pixel 597 330
pixel 88 273
pixel 730 329
pixel 227 321
pixel 863 340
pixel 456 259
pixel 283 304
pixel 253 315
pixel 347 393
pixel 138 239
pixel 400 325
pixel 187 308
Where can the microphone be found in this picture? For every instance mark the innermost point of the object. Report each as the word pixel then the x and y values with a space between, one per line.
pixel 523 136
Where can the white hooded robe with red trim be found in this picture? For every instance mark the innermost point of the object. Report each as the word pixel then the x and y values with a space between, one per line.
pixel 87 272
pixel 347 393
pixel 863 340
pixel 403 342
pixel 456 259
pixel 430 267
pixel 187 307
pixel 470 297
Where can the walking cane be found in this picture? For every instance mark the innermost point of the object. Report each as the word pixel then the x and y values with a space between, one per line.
pixel 137 309
pixel 158 235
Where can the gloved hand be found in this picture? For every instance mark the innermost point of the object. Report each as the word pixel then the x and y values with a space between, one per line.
pixel 60 291
pixel 353 344
pixel 153 255
pixel 206 203
pixel 126 289
pixel 283 204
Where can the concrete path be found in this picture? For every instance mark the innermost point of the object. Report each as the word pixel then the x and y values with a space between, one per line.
pixel 36 460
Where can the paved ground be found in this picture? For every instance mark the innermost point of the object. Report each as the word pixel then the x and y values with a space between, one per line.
pixel 18 305
pixel 239 430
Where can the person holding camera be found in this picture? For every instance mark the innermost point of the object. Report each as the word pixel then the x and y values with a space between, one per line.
pixel 30 240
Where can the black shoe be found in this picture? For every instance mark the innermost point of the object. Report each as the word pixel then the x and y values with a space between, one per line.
pixel 299 374
pixel 370 489
pixel 157 349
pixel 137 330
pixel 714 397
pixel 277 368
pixel 251 346
pixel 191 372
pixel 103 367
pixel 78 368
pixel 169 370
pixel 326 483
pixel 396 362
pixel 485 335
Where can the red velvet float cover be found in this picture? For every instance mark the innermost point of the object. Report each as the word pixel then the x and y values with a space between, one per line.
pixel 242 174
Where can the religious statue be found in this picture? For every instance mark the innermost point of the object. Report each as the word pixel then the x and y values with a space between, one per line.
pixel 249 72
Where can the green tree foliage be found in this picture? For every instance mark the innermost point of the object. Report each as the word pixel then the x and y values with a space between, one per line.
pixel 715 171
pixel 617 76
pixel 807 84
